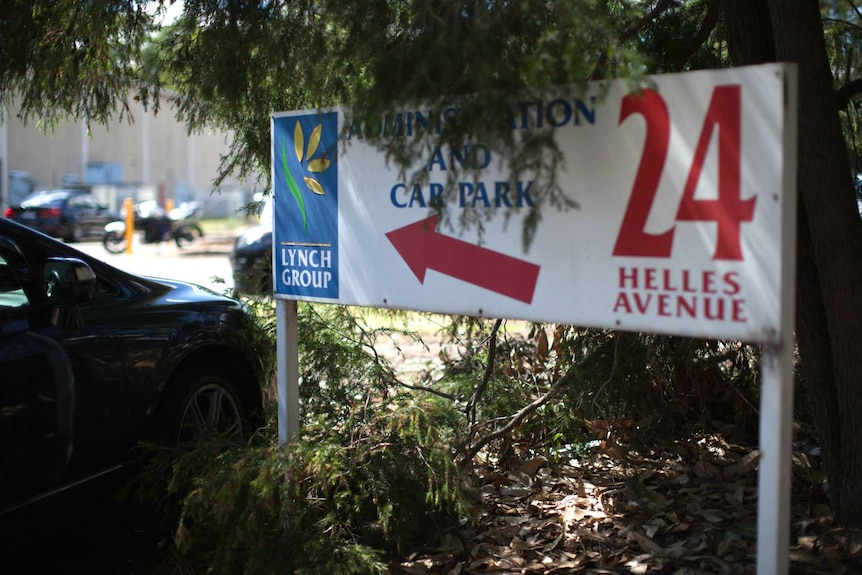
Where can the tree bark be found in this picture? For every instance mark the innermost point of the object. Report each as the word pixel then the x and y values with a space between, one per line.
pixel 749 32
pixel 829 238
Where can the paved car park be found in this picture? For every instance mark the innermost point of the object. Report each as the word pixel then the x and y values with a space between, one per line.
pixel 205 262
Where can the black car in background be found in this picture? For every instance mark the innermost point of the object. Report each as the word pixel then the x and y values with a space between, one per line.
pixel 251 256
pixel 72 215
pixel 94 360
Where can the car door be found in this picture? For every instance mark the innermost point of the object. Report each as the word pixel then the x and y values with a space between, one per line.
pixel 102 400
pixel 88 214
pixel 37 394
pixel 86 332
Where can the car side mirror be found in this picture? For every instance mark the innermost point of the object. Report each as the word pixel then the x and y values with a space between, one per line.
pixel 68 281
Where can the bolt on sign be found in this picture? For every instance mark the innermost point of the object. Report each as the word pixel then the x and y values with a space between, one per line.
pixel 679 224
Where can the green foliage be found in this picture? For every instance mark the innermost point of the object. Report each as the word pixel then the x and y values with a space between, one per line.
pixel 671 42
pixel 381 469
pixel 231 64
pixel 332 503
pixel 598 381
pixel 262 339
pixel 339 367
pixel 373 473
pixel 66 57
pixel 664 386
pixel 842 28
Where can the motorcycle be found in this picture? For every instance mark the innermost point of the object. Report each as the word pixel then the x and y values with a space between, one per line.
pixel 179 226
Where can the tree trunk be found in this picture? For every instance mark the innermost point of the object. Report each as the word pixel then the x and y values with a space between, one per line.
pixel 749 32
pixel 829 259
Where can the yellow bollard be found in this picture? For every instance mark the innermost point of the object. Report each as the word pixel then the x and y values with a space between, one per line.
pixel 130 223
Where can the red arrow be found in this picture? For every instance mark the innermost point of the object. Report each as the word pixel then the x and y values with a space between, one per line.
pixel 423 248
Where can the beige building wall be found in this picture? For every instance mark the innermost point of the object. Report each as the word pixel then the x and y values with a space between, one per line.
pixel 47 158
pixel 153 153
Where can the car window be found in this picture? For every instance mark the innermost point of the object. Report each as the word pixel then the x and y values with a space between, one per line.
pixel 14 281
pixel 11 293
pixel 43 199
pixel 82 202
pixel 104 289
pixel 266 211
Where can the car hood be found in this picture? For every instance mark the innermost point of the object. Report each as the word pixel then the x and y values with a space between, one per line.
pixel 177 291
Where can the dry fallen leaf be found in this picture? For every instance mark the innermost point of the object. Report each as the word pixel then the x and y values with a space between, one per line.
pixel 683 510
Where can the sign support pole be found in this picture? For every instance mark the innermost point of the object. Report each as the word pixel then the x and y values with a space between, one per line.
pixel 287 377
pixel 774 474
pixel 776 368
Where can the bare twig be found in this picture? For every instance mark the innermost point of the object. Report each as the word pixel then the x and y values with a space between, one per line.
pixel 617 342
pixel 629 33
pixel 470 410
pixel 842 23
pixel 710 20
pixel 855 8
pixel 516 419
pixel 427 389
pixel 647 18
pixel 512 424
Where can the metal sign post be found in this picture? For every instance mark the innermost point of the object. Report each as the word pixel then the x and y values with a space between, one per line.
pixel 287 379
pixel 774 472
pixel 776 369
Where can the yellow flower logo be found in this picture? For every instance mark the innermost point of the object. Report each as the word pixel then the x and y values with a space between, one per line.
pixel 305 157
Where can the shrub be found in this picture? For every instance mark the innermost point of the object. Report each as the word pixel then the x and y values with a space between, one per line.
pixel 372 475
pixel 332 503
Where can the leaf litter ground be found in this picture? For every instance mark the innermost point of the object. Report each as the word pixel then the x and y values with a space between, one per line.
pixel 689 508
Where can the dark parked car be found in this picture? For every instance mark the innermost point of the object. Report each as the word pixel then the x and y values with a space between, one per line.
pixel 251 256
pixel 72 215
pixel 94 360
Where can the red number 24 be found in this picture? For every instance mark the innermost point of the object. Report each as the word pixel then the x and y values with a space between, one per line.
pixel 728 211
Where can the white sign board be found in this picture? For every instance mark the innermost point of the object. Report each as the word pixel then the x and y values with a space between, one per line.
pixel 685 225
pixel 678 227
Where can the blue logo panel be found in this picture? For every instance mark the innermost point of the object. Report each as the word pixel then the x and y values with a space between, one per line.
pixel 305 168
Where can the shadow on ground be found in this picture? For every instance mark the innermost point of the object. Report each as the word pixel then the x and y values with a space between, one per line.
pixel 86 530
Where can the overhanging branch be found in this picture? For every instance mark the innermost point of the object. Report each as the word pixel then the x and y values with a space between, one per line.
pixel 710 19
pixel 847 92
pixel 630 32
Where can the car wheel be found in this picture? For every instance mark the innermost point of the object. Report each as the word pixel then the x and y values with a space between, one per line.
pixel 200 402
pixel 76 233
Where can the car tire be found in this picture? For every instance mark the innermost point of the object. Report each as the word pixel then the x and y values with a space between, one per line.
pixel 76 233
pixel 200 401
